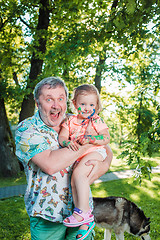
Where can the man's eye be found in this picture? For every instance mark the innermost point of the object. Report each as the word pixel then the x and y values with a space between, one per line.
pixel 61 99
pixel 48 100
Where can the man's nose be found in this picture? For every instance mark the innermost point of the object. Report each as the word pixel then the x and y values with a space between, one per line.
pixel 55 104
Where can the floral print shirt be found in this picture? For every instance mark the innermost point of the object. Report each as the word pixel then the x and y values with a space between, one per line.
pixel 47 196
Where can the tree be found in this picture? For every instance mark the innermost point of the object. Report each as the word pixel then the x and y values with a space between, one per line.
pixel 39 48
pixel 9 35
pixel 8 160
pixel 80 41
pixel 141 111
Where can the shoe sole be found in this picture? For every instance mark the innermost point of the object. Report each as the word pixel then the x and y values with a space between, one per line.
pixel 78 223
pixel 88 232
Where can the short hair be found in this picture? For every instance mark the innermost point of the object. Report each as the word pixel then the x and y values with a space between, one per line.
pixel 52 82
pixel 87 88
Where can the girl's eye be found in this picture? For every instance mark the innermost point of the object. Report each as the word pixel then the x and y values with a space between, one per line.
pixel 92 105
pixel 82 104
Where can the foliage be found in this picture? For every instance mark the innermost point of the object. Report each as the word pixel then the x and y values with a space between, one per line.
pixel 121 164
pixel 87 41
pixel 138 111
pixel 77 31
pixel 13 58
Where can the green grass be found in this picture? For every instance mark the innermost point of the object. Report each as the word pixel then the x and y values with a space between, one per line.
pixel 15 224
pixel 21 179
pixel 146 196
pixel 120 164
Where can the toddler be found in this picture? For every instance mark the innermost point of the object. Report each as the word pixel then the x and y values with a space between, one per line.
pixel 85 127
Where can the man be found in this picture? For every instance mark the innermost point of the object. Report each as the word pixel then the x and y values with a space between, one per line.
pixel 48 198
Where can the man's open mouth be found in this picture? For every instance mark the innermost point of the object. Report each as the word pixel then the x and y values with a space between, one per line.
pixel 55 115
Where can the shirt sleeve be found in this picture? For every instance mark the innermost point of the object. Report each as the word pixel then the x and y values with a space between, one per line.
pixel 99 124
pixel 29 142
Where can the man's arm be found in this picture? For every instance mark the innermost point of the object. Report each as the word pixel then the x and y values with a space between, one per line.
pixel 100 167
pixel 53 161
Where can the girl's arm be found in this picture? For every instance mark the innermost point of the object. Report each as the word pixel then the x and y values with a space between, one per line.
pixel 63 137
pixel 103 138
pixel 64 141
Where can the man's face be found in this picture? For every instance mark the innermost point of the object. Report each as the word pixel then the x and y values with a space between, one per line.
pixel 52 105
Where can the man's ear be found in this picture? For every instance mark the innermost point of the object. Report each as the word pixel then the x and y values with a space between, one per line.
pixel 74 102
pixel 37 104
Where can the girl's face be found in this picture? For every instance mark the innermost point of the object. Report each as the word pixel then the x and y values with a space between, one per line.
pixel 85 105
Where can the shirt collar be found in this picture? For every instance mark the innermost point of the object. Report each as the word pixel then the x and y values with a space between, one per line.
pixel 40 123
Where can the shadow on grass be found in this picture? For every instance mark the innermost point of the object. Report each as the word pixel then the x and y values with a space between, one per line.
pixel 14 222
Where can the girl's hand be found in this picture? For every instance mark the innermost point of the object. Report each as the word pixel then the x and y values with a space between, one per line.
pixel 82 140
pixel 86 139
pixel 74 146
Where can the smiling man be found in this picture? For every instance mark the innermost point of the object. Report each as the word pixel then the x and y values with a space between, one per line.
pixel 48 168
pixel 51 104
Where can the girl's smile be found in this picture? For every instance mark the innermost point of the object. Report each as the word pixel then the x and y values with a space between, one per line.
pixel 85 105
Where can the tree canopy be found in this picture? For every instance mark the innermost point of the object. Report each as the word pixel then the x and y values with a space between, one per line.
pixel 99 42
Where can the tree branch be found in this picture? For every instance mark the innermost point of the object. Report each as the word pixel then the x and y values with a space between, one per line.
pixel 114 5
pixel 2 23
pixel 25 23
pixel 15 78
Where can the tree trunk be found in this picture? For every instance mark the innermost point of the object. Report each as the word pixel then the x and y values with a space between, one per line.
pixel 9 165
pixel 28 105
pixel 100 68
pixel 27 108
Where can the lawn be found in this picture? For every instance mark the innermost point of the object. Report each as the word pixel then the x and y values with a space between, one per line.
pixel 146 196
pixel 14 222
pixel 21 179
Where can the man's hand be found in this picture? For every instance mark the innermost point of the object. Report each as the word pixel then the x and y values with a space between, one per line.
pixel 100 168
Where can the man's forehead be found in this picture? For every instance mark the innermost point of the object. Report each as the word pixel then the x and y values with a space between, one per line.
pixel 46 89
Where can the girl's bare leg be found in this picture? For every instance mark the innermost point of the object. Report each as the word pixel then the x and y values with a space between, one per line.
pixel 80 182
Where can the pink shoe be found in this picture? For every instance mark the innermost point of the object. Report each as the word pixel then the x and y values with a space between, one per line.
pixel 73 222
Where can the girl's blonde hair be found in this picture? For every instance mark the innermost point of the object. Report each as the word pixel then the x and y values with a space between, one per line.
pixel 85 89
